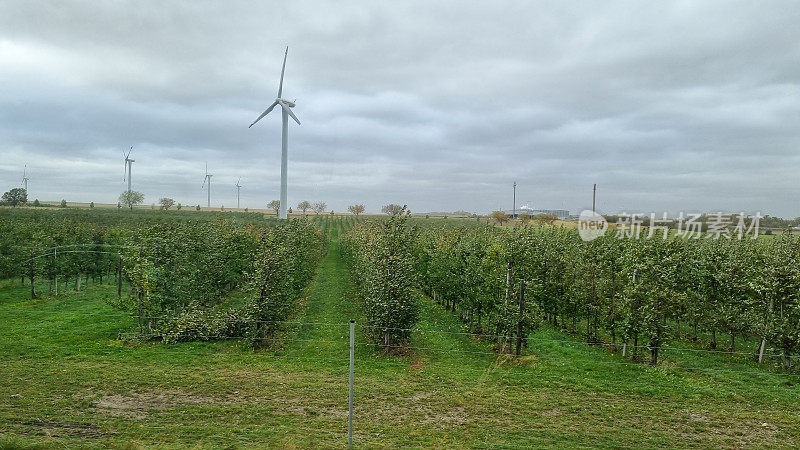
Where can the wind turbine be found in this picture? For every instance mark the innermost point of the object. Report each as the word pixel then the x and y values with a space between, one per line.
pixel 128 164
pixel 208 178
pixel 238 188
pixel 25 178
pixel 286 112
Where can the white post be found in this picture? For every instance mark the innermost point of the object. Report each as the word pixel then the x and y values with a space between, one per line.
pixel 352 360
pixel 55 264
pixel 284 161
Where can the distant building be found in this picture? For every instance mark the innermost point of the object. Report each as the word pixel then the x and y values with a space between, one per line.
pixel 529 212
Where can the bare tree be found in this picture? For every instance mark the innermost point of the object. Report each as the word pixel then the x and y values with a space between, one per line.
pixel 392 209
pixel 304 206
pixel 274 205
pixel 356 209
pixel 499 216
pixel 545 219
pixel 166 203
pixel 319 207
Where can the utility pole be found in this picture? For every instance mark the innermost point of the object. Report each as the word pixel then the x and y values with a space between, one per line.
pixel 514 210
pixel 594 196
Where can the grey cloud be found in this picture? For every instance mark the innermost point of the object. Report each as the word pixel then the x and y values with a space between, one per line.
pixel 667 106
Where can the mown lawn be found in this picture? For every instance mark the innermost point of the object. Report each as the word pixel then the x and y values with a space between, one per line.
pixel 69 380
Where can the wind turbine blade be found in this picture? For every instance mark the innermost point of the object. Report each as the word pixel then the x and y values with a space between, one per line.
pixel 280 87
pixel 129 152
pixel 289 110
pixel 268 110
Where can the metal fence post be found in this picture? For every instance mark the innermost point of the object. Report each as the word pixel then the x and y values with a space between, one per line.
pixel 55 265
pixel 521 315
pixel 352 360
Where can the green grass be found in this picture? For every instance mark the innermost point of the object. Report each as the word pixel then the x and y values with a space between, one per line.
pixel 69 381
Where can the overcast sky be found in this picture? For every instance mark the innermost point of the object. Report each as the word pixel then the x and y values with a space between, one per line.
pixel 667 106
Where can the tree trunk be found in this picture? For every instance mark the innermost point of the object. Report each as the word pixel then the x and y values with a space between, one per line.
pixel 763 345
pixel 654 355
pixel 32 276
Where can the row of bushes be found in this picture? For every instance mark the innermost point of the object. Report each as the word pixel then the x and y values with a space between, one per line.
pixel 379 256
pixel 471 271
pixel 87 241
pixel 271 266
pixel 638 293
pixel 635 293
pixel 176 264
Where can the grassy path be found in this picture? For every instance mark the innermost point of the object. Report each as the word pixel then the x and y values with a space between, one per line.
pixel 324 328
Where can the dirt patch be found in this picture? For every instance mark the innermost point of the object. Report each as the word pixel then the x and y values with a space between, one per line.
pixel 139 404
pixel 417 365
pixel 551 412
pixel 453 416
pixel 697 417
pixel 421 395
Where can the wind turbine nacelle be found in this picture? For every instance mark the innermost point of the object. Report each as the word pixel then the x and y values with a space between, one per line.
pixel 288 103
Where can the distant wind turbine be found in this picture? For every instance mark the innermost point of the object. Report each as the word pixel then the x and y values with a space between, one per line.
pixel 128 165
pixel 238 188
pixel 286 110
pixel 207 179
pixel 25 178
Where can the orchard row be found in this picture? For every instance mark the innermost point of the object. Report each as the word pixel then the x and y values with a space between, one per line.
pixel 634 294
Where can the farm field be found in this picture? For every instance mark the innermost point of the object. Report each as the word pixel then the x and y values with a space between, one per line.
pixel 77 375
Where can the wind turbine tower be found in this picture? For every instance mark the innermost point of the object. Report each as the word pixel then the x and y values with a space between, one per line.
pixel 25 178
pixel 207 179
pixel 238 188
pixel 286 106
pixel 128 165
